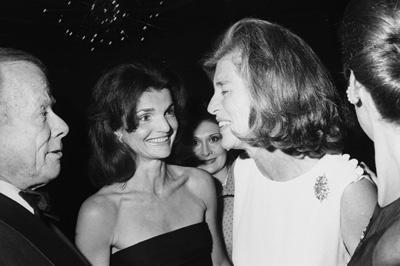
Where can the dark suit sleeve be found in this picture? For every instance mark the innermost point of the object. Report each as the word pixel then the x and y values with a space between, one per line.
pixel 25 240
pixel 17 250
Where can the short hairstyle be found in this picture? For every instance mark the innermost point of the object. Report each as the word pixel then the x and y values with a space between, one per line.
pixel 114 103
pixel 370 38
pixel 294 104
pixel 8 55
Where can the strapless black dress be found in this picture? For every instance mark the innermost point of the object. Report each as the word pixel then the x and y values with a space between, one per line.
pixel 190 245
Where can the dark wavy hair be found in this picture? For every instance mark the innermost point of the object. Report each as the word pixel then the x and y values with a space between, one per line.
pixel 370 38
pixel 114 103
pixel 294 105
pixel 184 153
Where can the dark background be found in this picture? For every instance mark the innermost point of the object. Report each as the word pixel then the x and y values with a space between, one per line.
pixel 180 34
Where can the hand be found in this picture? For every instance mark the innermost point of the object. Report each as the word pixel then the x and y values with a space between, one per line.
pixel 369 172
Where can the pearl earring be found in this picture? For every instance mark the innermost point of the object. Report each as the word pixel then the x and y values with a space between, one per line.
pixel 119 136
pixel 351 99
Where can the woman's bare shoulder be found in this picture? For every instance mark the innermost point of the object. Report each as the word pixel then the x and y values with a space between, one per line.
pixel 96 225
pixel 199 182
pixel 100 205
pixel 192 175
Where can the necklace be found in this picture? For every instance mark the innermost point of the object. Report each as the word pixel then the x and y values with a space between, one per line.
pixel 226 178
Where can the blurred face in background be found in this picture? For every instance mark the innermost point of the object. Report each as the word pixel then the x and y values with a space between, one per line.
pixel 207 147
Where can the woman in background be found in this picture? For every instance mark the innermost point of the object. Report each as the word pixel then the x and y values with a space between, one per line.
pixel 203 139
pixel 370 37
pixel 147 212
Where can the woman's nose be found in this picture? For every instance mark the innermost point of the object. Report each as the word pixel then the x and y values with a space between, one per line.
pixel 164 125
pixel 205 150
pixel 212 105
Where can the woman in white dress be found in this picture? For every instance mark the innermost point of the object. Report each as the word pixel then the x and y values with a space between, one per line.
pixel 298 199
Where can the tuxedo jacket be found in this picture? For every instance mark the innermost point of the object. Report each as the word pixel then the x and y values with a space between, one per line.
pixel 26 240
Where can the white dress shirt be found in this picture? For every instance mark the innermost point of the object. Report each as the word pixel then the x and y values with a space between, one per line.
pixel 12 192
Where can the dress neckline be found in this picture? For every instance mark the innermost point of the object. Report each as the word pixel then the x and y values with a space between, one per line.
pixel 143 242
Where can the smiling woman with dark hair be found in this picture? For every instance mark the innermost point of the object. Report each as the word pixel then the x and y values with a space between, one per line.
pixel 147 212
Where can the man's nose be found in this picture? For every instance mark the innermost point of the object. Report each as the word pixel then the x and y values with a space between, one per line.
pixel 58 126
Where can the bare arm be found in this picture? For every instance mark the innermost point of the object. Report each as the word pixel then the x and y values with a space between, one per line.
pixel 208 193
pixel 357 205
pixel 94 232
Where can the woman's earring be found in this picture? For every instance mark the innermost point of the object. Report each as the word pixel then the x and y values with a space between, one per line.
pixel 119 136
pixel 352 98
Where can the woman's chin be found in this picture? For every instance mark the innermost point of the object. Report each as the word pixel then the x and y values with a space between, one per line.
pixel 231 144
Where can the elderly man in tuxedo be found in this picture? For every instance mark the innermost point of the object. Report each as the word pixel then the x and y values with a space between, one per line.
pixel 30 154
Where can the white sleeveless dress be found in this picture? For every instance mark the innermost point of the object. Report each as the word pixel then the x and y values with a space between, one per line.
pixel 291 223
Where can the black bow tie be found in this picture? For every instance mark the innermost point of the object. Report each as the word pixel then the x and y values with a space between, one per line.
pixel 39 201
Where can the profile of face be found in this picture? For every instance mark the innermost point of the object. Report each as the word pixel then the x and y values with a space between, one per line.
pixel 230 102
pixel 155 134
pixel 207 147
pixel 31 146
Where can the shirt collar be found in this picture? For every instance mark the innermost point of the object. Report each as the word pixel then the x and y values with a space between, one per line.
pixel 11 192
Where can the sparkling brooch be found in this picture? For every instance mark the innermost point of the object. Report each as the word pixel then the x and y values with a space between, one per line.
pixel 363 233
pixel 321 187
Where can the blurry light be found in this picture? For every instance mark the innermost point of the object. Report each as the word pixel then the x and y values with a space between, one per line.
pixel 103 19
